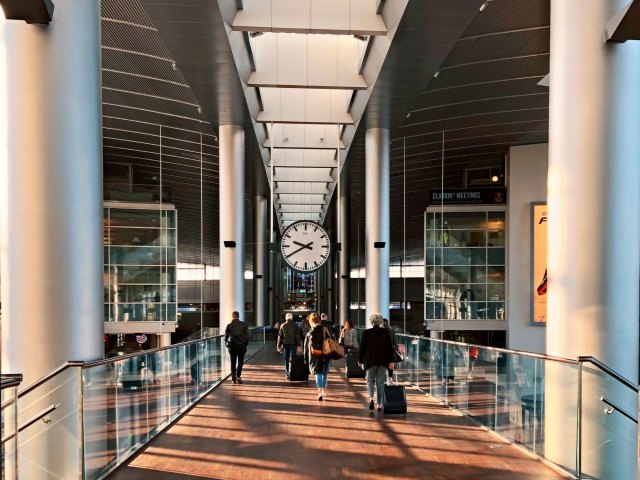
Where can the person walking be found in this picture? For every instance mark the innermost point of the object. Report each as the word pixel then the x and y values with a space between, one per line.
pixel 349 337
pixel 236 338
pixel 318 363
pixel 375 356
pixel 288 340
pixel 327 323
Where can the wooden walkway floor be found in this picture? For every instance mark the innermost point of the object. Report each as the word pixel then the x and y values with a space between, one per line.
pixel 269 428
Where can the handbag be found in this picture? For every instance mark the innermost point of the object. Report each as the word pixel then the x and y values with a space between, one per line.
pixel 331 349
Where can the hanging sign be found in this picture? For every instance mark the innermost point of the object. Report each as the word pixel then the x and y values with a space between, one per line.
pixel 468 196
pixel 141 338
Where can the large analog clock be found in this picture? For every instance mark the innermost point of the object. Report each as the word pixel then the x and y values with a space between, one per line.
pixel 305 246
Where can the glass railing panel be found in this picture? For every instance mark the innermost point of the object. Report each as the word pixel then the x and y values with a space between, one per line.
pixel 605 429
pixel 100 384
pixel 481 396
pixel 51 446
pixel 9 422
pixel 555 414
pixel 519 399
pixel 157 380
pixel 131 405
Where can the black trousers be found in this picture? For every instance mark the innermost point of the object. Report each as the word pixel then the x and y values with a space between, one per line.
pixel 237 361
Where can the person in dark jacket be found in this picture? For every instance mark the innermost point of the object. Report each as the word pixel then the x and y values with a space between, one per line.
pixel 236 338
pixel 318 363
pixel 375 356
pixel 288 340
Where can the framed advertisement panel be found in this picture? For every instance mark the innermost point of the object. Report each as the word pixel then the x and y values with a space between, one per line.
pixel 538 284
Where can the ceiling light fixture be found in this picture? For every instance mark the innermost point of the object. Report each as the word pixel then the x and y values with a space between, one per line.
pixel 495 179
pixel 484 6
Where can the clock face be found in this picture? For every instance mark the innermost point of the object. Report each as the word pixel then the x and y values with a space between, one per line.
pixel 305 246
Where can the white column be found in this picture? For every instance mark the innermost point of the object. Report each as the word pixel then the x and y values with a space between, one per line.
pixel 231 185
pixel 594 231
pixel 344 266
pixel 377 221
pixel 164 339
pixel 260 271
pixel 51 190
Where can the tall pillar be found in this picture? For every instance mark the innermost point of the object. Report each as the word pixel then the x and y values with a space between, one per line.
pixel 260 251
pixel 377 221
pixel 51 190
pixel 231 185
pixel 271 290
pixel 594 233
pixel 344 265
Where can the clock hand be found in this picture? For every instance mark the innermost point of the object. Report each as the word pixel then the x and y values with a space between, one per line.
pixel 301 248
pixel 303 245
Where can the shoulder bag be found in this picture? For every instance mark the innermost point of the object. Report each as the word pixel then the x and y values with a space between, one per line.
pixel 331 349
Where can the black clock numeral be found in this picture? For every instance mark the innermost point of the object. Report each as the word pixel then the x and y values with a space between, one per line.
pixel 285 246
pixel 305 227
pixel 325 246
pixel 295 228
pixel 315 263
pixel 305 265
pixel 315 229
pixel 295 264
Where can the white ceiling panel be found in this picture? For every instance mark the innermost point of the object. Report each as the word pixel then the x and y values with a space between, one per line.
pixel 322 61
pixel 309 136
pixel 303 175
pixel 294 217
pixel 310 16
pixel 295 105
pixel 300 209
pixel 309 158
pixel 300 199
pixel 302 187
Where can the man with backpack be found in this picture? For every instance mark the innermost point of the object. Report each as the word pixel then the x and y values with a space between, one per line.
pixel 236 338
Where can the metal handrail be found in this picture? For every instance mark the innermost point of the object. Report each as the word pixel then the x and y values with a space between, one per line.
pixel 106 361
pixel 41 381
pixel 28 423
pixel 618 408
pixel 541 356
pixel 10 380
pixel 620 378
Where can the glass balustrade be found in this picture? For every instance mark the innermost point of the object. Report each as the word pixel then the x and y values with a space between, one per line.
pixel 86 419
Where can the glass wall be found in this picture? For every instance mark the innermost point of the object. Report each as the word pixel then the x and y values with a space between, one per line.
pixel 140 262
pixel 465 258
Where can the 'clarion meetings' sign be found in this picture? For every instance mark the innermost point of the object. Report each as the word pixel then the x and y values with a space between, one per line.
pixel 468 196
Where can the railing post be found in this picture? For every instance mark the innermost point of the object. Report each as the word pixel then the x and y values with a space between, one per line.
pixel 579 425
pixel 80 407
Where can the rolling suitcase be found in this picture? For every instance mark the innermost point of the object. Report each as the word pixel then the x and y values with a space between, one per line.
pixel 298 370
pixel 395 400
pixel 353 369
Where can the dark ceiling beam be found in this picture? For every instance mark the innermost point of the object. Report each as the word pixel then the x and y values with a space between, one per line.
pixel 31 11
pixel 625 25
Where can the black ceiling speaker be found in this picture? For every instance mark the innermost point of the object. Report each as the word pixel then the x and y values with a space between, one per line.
pixel 31 11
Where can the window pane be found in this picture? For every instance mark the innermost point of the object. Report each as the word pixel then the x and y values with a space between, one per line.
pixel 463 220
pixel 495 256
pixel 135 218
pixel 142 237
pixel 139 293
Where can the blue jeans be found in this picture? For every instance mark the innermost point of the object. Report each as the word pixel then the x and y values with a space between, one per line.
pixel 376 376
pixel 321 378
pixel 289 352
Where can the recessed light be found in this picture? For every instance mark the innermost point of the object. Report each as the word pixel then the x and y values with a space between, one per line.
pixel 495 178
